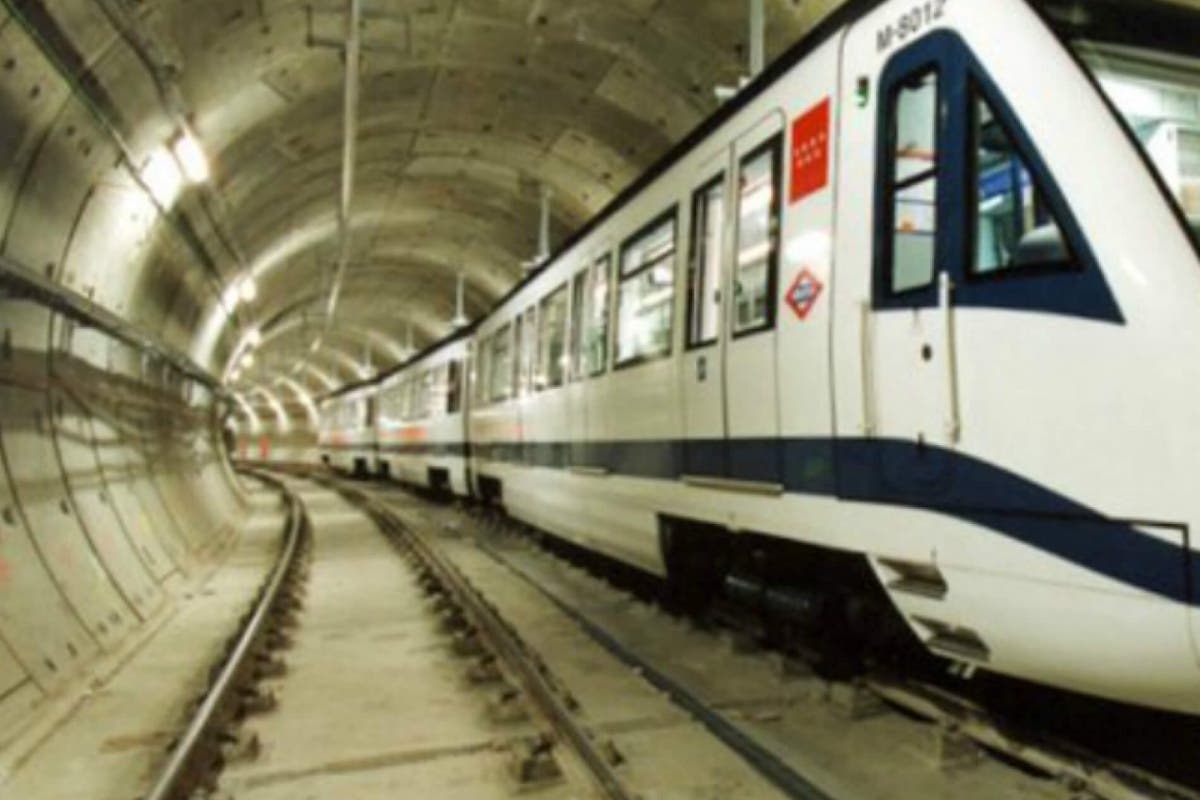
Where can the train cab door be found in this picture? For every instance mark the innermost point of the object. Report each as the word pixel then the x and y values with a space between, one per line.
pixel 751 390
pixel 703 375
pixel 893 355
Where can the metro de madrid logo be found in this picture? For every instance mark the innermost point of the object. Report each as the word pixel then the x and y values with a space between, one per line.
pixel 803 294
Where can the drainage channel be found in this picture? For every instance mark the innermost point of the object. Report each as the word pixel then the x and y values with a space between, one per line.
pixel 211 737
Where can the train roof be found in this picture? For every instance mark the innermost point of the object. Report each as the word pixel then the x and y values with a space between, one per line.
pixel 381 377
pixel 1169 26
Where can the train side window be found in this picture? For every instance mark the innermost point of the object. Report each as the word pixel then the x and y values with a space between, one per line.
pixel 454 387
pixel 404 399
pixel 527 346
pixel 595 346
pixel 704 263
pixel 552 340
pixel 578 293
pixel 426 393
pixel 435 401
pixel 480 360
pixel 1012 226
pixel 645 300
pixel 913 184
pixel 501 372
pixel 757 240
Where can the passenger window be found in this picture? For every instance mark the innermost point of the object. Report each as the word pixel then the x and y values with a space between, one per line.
pixel 528 348
pixel 426 394
pixel 501 372
pixel 645 303
pixel 913 184
pixel 480 361
pixel 757 237
pixel 578 293
pixel 454 387
pixel 406 400
pixel 1013 227
pixel 596 342
pixel 704 264
pixel 552 338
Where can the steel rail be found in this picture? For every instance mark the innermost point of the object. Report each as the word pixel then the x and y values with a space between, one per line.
pixel 1077 769
pixel 1110 781
pixel 505 644
pixel 182 769
pixel 782 775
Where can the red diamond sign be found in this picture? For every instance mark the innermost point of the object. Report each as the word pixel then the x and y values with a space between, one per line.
pixel 803 294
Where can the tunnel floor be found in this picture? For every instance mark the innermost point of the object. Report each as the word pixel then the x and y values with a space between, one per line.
pixel 376 699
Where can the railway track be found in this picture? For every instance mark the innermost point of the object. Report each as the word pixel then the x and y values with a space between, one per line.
pixel 480 701
pixel 470 615
pixel 509 647
pixel 962 730
pixel 211 737
pixel 961 723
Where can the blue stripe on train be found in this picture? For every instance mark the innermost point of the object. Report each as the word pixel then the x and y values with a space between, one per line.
pixel 890 472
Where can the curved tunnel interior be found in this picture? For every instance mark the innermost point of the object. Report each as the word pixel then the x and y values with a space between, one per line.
pixel 174 216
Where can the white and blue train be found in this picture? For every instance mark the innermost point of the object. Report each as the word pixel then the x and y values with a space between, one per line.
pixel 907 331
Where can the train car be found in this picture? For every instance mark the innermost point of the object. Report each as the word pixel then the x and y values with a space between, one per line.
pixel 420 420
pixel 904 335
pixel 346 437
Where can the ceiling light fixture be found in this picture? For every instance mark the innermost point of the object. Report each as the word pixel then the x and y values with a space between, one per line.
pixel 162 177
pixel 191 157
pixel 248 290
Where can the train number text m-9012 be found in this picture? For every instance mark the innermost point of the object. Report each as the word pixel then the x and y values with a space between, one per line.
pixel 910 23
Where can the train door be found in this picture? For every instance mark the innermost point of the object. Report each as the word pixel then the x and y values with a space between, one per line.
pixel 751 392
pixel 703 374
pixel 894 361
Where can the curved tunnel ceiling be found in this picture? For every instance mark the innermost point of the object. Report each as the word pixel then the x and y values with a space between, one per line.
pixel 468 108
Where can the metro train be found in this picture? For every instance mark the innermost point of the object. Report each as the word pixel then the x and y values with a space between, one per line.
pixel 904 337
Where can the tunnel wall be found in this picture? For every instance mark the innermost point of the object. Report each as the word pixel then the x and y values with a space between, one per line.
pixel 114 486
pixel 114 482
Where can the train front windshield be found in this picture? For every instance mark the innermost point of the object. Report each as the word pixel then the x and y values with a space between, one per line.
pixel 1147 61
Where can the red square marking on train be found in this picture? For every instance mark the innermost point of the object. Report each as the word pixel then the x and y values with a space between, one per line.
pixel 803 293
pixel 810 151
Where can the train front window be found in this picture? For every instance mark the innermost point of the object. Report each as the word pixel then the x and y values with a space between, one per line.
pixel 1157 93
pixel 1013 226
